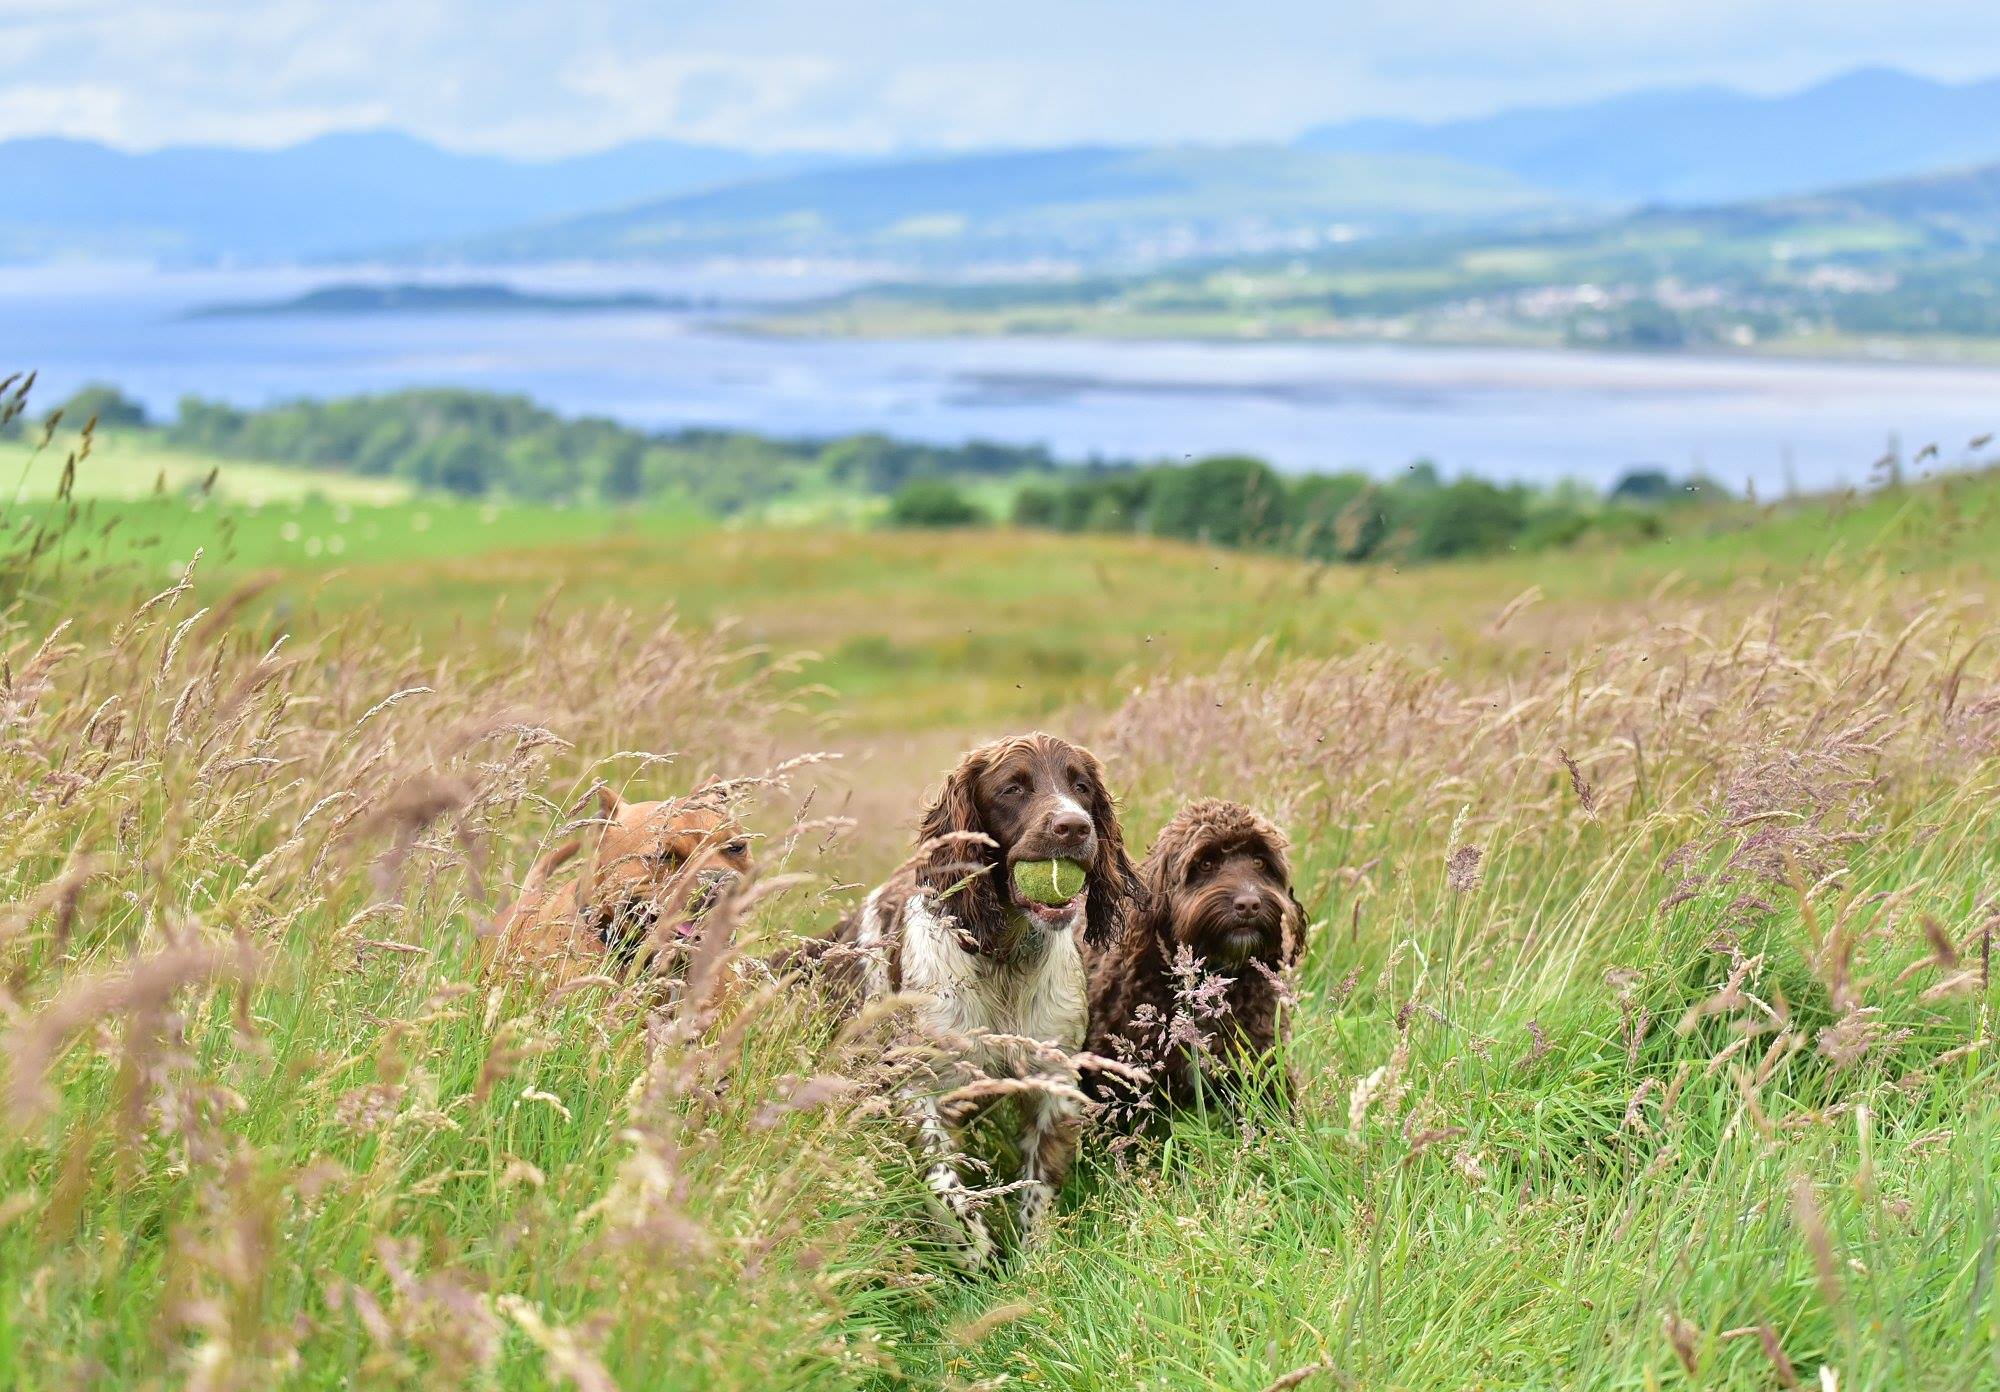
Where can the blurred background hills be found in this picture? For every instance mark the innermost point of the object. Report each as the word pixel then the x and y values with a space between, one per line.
pixel 383 194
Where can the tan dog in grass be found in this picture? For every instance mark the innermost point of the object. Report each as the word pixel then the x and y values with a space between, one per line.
pixel 656 869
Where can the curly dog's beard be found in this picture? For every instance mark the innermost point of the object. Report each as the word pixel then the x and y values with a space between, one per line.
pixel 1217 936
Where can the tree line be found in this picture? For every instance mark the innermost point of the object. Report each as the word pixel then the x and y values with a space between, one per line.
pixel 1240 501
pixel 476 444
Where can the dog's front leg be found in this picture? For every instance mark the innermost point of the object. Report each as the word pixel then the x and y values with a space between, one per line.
pixel 1048 1146
pixel 950 1196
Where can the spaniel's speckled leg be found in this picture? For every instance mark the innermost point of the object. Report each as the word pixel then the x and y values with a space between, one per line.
pixel 1048 1146
pixel 951 1198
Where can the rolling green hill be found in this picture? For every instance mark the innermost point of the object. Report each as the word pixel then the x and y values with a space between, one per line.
pixel 1909 265
pixel 1958 208
pixel 135 464
pixel 920 629
pixel 1086 202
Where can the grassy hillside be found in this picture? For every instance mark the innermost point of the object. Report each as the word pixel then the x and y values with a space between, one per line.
pixel 1645 1039
pixel 975 628
pixel 133 464
pixel 1903 267
pixel 1026 205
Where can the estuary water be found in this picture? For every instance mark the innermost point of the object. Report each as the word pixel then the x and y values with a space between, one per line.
pixel 1496 412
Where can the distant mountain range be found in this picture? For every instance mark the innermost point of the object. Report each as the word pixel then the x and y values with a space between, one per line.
pixel 1673 147
pixel 340 194
pixel 384 193
pixel 1148 204
pixel 1710 144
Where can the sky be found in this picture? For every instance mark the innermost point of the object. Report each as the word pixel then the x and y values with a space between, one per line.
pixel 540 80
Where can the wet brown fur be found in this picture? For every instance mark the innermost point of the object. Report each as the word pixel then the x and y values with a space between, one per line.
pixel 1211 856
pixel 971 849
pixel 982 965
pixel 963 861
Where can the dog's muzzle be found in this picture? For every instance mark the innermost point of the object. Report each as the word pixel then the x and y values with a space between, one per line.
pixel 1231 940
pixel 626 930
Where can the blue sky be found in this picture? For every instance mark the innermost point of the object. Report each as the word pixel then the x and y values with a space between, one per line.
pixel 872 75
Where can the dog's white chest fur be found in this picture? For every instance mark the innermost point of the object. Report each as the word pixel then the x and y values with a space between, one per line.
pixel 1041 994
pixel 985 1006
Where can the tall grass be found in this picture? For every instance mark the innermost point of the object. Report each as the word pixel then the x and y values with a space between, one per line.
pixel 1645 1038
pixel 267 1122
pixel 1648 1032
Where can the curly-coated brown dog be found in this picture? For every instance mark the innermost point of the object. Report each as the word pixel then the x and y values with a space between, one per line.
pixel 1195 990
pixel 656 868
pixel 1000 979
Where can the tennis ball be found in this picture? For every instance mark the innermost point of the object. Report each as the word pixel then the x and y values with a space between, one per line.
pixel 1048 881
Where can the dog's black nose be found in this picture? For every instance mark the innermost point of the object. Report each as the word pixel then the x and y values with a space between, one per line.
pixel 1247 905
pixel 1069 828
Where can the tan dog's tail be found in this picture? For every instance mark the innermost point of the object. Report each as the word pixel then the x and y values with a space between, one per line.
pixel 547 863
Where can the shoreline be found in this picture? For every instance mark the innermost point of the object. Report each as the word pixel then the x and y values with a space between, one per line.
pixel 1975 354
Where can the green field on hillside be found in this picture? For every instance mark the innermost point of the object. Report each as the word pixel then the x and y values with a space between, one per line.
pixel 1897 270
pixel 965 628
pixel 1645 1039
pixel 132 465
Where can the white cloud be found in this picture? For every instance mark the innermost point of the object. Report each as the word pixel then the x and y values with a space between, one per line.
pixel 711 97
pixel 873 74
pixel 84 110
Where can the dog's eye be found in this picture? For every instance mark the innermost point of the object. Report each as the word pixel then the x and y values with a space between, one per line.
pixel 1203 867
pixel 1014 787
pixel 1081 785
pixel 738 847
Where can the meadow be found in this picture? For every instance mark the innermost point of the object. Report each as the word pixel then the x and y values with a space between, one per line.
pixel 1645 1038
pixel 134 465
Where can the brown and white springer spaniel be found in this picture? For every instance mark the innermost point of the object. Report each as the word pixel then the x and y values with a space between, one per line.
pixel 999 981
pixel 1195 990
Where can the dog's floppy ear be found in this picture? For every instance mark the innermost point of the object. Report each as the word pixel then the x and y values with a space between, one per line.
pixel 1292 938
pixel 959 858
pixel 1114 881
pixel 1149 913
pixel 1162 866
pixel 1158 876
pixel 1292 945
